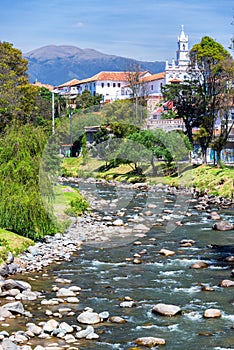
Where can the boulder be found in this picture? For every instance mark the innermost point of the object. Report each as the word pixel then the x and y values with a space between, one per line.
pixel 214 216
pixel 166 252
pixel 50 326
pixel 227 283
pixel 4 313
pixel 149 342
pixel 66 327
pixel 64 292
pixel 34 329
pixel 199 265
pixel 89 317
pixel 127 304
pixel 212 313
pixel 104 315
pixel 7 344
pixel 166 309
pixel 223 226
pixel 4 270
pixel 16 307
pixel 85 332
pixel 118 222
pixel 117 319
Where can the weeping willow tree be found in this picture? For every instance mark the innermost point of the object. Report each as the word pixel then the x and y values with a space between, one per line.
pixel 21 207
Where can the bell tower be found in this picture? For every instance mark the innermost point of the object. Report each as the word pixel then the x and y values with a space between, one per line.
pixel 182 54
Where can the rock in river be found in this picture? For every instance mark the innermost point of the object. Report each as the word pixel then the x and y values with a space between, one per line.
pixel 212 313
pixel 166 309
pixel 149 342
pixel 223 226
pixel 89 317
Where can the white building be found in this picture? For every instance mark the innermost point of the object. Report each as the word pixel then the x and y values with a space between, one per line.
pixel 177 70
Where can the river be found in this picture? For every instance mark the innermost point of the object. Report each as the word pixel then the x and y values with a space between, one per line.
pixel 107 273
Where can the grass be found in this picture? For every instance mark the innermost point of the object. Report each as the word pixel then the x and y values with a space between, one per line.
pixel 216 180
pixel 11 242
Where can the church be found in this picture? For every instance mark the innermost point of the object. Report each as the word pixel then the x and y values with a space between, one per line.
pixel 177 70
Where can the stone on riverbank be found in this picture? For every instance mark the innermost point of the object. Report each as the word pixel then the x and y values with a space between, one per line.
pixel 149 342
pixel 166 309
pixel 15 307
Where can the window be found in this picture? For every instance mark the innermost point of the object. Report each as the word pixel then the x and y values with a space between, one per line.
pixel 103 85
pixel 108 84
pixel 119 85
pixel 114 84
pixel 152 87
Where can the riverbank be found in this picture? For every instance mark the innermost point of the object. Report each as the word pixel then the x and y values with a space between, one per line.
pixel 218 181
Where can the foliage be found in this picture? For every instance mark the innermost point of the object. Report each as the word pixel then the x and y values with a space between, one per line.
pixel 78 205
pixel 206 60
pixel 17 96
pixel 86 100
pixel 187 99
pixel 84 149
pixel 20 155
pixel 123 112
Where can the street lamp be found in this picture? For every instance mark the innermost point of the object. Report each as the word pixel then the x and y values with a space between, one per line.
pixel 70 117
pixel 52 112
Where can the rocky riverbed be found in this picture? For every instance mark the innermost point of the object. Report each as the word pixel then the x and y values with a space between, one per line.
pixel 111 220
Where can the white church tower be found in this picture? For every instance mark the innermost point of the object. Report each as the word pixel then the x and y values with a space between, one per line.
pixel 177 70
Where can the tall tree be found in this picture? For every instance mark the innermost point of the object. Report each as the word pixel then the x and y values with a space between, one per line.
pixel 17 95
pixel 206 69
pixel 187 99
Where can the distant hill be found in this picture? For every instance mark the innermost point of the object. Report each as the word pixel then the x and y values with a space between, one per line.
pixel 58 64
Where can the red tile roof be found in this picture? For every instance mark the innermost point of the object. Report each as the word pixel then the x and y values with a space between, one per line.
pixel 47 86
pixel 152 77
pixel 72 82
pixel 107 76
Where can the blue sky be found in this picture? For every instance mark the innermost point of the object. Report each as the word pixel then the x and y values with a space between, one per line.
pixel 141 29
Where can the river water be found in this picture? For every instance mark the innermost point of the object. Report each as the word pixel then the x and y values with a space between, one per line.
pixel 106 273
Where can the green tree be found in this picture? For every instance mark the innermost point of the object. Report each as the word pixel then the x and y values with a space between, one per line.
pixel 86 100
pixel 188 101
pixel 84 149
pixel 17 95
pixel 206 69
pixel 123 112
pixel 226 103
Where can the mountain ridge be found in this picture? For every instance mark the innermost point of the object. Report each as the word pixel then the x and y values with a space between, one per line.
pixel 56 64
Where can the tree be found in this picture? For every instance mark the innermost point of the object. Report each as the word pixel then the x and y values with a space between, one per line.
pixel 187 99
pixel 86 100
pixel 206 69
pixel 22 209
pixel 226 105
pixel 123 112
pixel 17 95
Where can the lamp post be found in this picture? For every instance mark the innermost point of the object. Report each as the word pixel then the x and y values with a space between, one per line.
pixel 52 112
pixel 70 117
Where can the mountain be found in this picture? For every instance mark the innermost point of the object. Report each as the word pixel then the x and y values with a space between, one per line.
pixel 57 64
